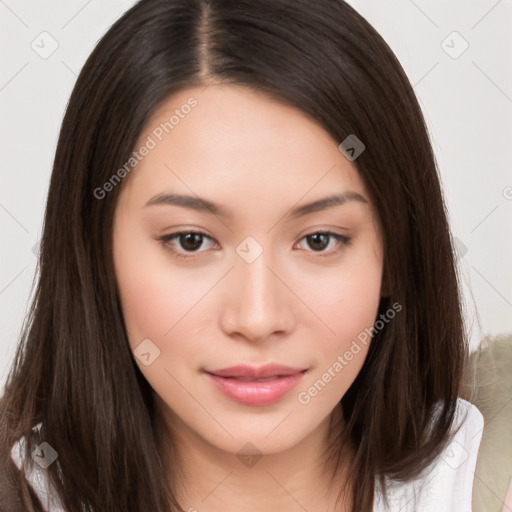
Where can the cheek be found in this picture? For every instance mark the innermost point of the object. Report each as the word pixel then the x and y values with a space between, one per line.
pixel 154 294
pixel 345 298
pixel 163 303
pixel 346 301
pixel 145 296
pixel 155 308
pixel 146 299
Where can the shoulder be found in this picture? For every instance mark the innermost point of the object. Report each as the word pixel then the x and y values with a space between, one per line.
pixel 36 475
pixel 448 482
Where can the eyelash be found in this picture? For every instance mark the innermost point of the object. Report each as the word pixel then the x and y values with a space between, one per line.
pixel 344 241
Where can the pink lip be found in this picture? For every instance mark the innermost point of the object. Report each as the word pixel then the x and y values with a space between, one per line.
pixel 239 383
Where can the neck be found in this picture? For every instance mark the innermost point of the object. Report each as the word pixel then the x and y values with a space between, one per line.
pixel 210 479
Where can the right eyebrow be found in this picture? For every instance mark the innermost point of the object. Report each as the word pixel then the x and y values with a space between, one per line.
pixel 192 202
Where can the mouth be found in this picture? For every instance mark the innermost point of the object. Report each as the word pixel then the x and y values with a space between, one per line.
pixel 248 385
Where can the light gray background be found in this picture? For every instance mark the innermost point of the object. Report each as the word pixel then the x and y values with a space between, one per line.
pixel 466 99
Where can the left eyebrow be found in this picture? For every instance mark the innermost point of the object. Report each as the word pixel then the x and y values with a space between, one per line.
pixel 201 204
pixel 327 202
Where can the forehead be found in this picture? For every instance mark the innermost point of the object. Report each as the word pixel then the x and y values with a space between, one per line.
pixel 238 145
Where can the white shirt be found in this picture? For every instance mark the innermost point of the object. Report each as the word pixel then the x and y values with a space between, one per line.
pixel 444 487
pixel 447 484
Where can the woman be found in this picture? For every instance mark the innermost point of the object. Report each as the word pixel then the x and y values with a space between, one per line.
pixel 247 294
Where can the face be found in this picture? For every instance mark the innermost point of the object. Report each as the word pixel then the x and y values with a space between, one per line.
pixel 242 272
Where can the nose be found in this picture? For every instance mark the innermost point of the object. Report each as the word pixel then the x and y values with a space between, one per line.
pixel 258 303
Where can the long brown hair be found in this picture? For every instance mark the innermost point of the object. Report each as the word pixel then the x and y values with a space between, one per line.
pixel 74 372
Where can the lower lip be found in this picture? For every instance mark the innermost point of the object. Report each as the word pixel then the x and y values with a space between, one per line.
pixel 254 392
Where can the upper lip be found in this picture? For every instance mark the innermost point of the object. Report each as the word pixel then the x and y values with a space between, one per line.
pixel 252 372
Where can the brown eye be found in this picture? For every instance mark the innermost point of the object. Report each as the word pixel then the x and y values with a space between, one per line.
pixel 190 241
pixel 319 241
pixel 184 242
